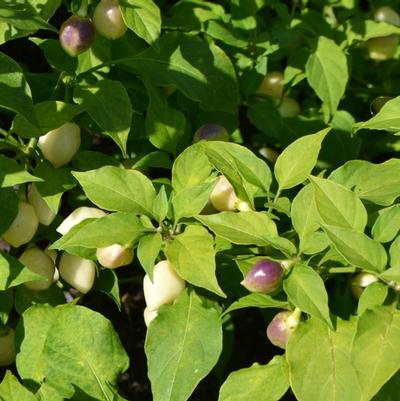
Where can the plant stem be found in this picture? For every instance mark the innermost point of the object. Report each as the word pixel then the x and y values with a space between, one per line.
pixel 82 12
pixel 30 147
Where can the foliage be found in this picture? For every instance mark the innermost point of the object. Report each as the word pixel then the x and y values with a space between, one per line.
pixel 297 170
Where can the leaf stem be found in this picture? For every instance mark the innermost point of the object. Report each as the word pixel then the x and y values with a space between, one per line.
pixel 277 195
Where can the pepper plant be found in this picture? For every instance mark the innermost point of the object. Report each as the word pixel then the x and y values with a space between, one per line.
pixel 229 160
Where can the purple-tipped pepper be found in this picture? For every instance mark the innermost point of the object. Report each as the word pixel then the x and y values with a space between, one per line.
pixel 282 326
pixel 77 35
pixel 211 132
pixel 265 276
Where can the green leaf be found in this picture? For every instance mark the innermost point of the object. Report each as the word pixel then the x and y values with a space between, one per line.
pixel 182 345
pixel 13 272
pixel 117 189
pixel 394 252
pixel 338 206
pixel 157 159
pixel 116 228
pixel 44 8
pixel 387 119
pixel 49 393
pixel 393 273
pixel 362 30
pixel 247 228
pixel 143 18
pixel 387 225
pixel 202 71
pixel 107 283
pixel 190 168
pixel 25 298
pixel 357 248
pixel 8 208
pixel 377 183
pixel 108 104
pixel 86 160
pixel 374 348
pixel 12 390
pixel 15 93
pixel 11 173
pixel 231 159
pixel 147 251
pixel 55 182
pixel 191 201
pixel 25 17
pixel 320 367
pixel 6 305
pixel 19 19
pixel 304 213
pixel 165 126
pixel 256 301
pixel 192 15
pixel 373 295
pixel 50 115
pixel 390 391
pixel 161 204
pixel 258 382
pixel 296 162
pixel 56 56
pixel 326 72
pixel 306 290
pixel 314 243
pixel 192 255
pixel 75 338
pixel 226 33
pixel 190 171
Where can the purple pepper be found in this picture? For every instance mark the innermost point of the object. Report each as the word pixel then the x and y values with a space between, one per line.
pixel 211 132
pixel 282 326
pixel 265 277
pixel 77 35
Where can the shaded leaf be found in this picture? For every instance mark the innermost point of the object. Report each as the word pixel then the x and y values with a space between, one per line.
pixel 98 356
pixel 326 72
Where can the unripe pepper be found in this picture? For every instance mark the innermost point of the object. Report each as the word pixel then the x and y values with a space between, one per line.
pixel 60 145
pixel 223 197
pixel 39 262
pixel 23 227
pixel 78 272
pixel 272 85
pixel 149 316
pixel 43 212
pixel 78 215
pixel 108 21
pixel 164 288
pixel 114 256
pixel 360 282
